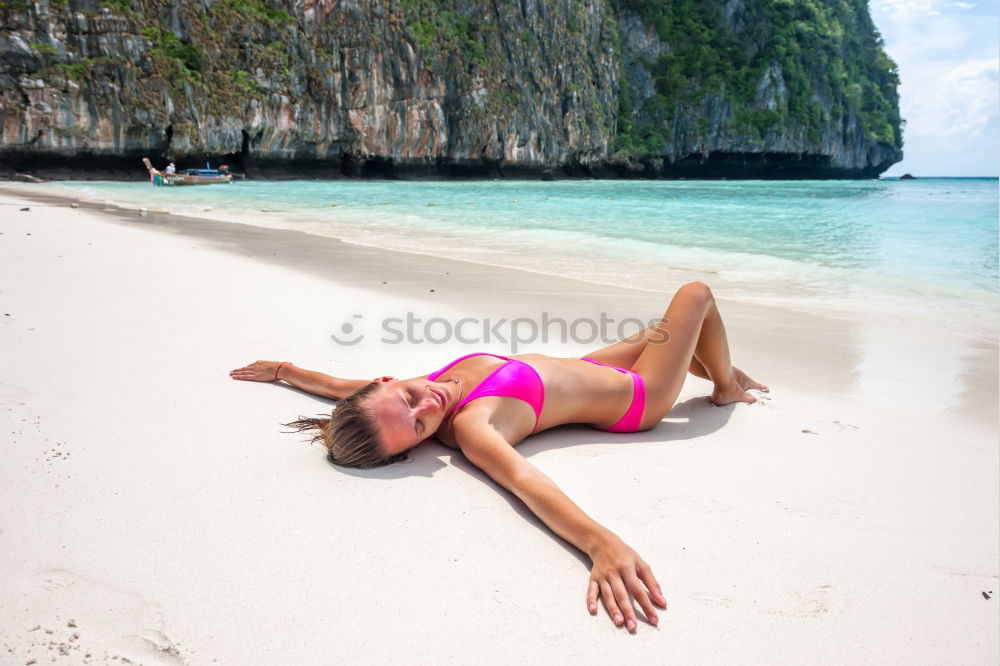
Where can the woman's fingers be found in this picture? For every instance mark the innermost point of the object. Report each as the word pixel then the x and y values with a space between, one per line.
pixel 259 371
pixel 592 591
pixel 645 574
pixel 623 576
pixel 609 602
pixel 252 375
pixel 617 593
pixel 624 603
pixel 639 594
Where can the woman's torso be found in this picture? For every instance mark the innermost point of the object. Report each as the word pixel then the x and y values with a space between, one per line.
pixel 575 391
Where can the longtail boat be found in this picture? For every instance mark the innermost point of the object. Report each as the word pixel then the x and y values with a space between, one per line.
pixel 206 176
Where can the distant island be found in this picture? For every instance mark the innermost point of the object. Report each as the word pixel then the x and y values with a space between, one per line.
pixel 447 89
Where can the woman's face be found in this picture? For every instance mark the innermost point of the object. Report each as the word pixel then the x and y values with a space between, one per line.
pixel 409 411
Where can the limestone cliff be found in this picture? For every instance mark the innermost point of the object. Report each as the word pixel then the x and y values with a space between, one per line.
pixel 442 88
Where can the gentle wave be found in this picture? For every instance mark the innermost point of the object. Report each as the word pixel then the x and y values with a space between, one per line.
pixel 911 251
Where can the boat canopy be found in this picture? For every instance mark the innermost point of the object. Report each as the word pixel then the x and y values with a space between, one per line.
pixel 202 172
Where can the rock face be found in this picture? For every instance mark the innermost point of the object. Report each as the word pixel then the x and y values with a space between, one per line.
pixel 441 88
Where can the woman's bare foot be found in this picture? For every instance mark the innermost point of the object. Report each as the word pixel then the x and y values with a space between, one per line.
pixel 737 391
pixel 746 383
pixel 732 393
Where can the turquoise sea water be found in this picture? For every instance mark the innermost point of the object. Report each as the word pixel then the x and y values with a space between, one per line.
pixel 919 250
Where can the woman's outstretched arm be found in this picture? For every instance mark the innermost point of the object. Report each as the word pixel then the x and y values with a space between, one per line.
pixel 618 574
pixel 308 380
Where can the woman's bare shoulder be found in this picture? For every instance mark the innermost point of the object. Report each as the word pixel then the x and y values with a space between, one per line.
pixel 471 425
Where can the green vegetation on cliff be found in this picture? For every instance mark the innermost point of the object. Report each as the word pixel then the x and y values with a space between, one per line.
pixel 439 29
pixel 166 43
pixel 827 53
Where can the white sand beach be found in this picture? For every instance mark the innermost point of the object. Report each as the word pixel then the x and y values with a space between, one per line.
pixel 151 510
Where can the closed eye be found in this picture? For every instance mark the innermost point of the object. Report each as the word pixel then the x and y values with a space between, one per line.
pixel 417 425
pixel 409 401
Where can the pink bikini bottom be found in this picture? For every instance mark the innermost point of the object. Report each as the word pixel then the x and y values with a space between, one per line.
pixel 633 417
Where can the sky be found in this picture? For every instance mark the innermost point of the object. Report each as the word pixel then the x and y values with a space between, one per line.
pixel 947 53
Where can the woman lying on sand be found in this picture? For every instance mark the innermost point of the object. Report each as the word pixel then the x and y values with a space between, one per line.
pixel 486 404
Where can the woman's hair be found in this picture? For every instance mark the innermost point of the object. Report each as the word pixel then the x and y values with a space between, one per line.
pixel 349 434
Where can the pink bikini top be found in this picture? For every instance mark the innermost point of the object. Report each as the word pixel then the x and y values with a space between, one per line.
pixel 513 379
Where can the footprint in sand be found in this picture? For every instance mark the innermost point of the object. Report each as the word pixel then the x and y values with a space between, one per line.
pixel 808 603
pixel 811 603
pixel 163 645
pixel 712 600
pixel 96 621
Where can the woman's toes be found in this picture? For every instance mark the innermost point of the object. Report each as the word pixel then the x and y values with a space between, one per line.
pixel 746 383
pixel 735 393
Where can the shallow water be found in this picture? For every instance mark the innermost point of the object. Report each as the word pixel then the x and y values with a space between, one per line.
pixel 921 252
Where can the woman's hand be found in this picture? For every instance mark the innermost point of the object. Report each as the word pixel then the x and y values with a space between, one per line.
pixel 618 576
pixel 259 371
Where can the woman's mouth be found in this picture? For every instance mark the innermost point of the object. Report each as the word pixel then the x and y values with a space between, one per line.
pixel 439 396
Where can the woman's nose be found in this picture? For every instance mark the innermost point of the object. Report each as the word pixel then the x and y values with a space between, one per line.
pixel 428 403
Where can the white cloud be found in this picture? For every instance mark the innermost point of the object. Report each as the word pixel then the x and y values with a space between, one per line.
pixel 954 102
pixel 950 89
pixel 901 6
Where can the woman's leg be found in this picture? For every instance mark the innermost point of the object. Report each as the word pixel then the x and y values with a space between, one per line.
pixel 690 332
pixel 697 369
pixel 625 353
